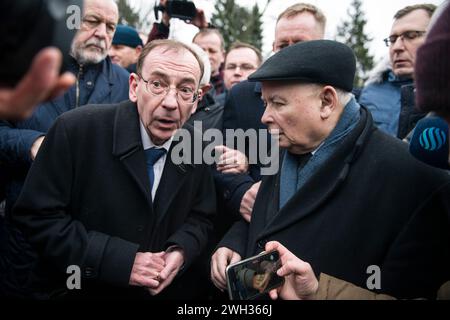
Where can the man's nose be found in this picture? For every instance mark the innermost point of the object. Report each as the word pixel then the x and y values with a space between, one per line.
pixel 266 117
pixel 170 100
pixel 100 31
pixel 398 44
pixel 238 71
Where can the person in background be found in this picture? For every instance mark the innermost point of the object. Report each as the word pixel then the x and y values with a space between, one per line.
pixel 211 40
pixel 241 60
pixel 126 47
pixel 389 93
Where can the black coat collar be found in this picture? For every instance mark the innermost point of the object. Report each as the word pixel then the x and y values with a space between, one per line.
pixel 127 146
pixel 321 185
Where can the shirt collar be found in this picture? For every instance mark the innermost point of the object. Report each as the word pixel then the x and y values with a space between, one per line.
pixel 147 142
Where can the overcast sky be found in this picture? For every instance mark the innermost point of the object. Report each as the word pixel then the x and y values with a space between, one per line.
pixel 379 14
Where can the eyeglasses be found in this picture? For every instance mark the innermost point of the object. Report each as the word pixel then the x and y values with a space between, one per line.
pixel 407 35
pixel 185 94
pixel 244 67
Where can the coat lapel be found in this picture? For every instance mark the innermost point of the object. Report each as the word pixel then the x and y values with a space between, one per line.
pixel 127 146
pixel 172 179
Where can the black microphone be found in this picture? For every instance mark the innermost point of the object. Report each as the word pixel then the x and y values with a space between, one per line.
pixel 430 142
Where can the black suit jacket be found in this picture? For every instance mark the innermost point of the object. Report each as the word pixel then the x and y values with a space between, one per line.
pixel 370 203
pixel 87 201
pixel 243 110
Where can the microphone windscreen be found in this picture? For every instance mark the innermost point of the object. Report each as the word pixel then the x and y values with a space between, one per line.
pixel 430 142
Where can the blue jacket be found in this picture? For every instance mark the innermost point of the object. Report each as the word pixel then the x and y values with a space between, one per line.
pixel 383 99
pixel 98 84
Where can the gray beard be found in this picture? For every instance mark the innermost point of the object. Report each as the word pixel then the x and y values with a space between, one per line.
pixel 83 57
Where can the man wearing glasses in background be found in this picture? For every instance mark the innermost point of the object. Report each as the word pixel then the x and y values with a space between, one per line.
pixel 97 81
pixel 389 92
pixel 241 60
pixel 105 195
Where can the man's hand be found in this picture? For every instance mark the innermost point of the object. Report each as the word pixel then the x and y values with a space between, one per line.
pixel 219 262
pixel 36 146
pixel 300 282
pixel 200 20
pixel 147 268
pixel 165 17
pixel 231 161
pixel 248 200
pixel 174 260
pixel 41 83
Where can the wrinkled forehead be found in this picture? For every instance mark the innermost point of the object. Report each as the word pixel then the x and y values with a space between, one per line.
pixel 416 20
pixel 175 61
pixel 102 8
pixel 297 26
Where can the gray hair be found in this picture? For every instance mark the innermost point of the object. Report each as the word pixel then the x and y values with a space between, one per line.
pixel 206 64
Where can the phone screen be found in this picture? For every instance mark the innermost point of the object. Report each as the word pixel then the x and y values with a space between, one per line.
pixel 253 277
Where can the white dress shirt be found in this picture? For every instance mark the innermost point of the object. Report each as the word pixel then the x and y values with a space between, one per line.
pixel 158 167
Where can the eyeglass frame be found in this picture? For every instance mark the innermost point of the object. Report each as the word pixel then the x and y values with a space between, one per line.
pixel 195 92
pixel 388 42
pixel 240 66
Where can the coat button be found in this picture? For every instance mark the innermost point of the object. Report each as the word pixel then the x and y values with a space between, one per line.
pixel 140 228
pixel 89 84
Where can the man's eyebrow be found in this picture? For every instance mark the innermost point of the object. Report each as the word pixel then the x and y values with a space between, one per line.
pixel 275 97
pixel 165 77
pixel 93 15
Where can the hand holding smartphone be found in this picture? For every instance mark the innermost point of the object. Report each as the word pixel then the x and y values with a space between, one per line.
pixel 253 277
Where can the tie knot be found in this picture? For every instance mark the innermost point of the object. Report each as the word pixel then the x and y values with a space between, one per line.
pixel 153 155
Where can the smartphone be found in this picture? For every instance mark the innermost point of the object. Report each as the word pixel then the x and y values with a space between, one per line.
pixel 253 277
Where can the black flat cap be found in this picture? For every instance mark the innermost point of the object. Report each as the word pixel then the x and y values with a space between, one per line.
pixel 318 61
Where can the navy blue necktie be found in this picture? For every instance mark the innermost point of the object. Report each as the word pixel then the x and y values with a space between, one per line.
pixel 152 155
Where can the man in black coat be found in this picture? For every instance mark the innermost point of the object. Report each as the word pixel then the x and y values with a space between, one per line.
pixel 348 198
pixel 244 108
pixel 105 194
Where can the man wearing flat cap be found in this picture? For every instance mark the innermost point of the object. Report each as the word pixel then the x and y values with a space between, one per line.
pixel 126 47
pixel 348 198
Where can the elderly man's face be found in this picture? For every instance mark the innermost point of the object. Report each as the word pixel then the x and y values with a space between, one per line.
pixel 163 114
pixel 294 110
pixel 403 51
pixel 93 40
pixel 239 64
pixel 301 27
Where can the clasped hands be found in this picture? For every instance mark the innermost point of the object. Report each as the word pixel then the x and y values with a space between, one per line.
pixel 155 271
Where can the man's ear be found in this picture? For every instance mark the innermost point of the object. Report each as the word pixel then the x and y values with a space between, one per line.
pixel 204 90
pixel 200 96
pixel 133 83
pixel 329 100
pixel 138 50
